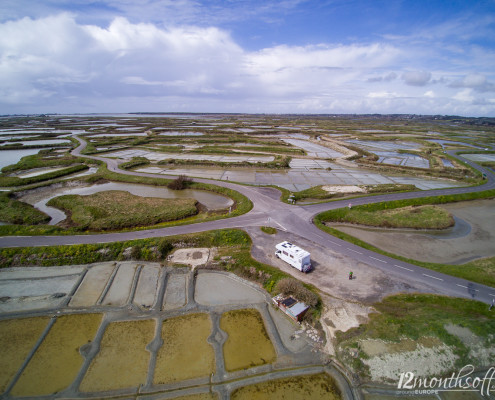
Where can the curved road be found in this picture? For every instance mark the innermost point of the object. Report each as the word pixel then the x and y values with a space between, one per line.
pixel 268 210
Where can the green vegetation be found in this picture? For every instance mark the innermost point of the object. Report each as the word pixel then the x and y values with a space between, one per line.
pixel 248 150
pixel 42 160
pixel 180 183
pixel 416 316
pixel 233 255
pixel 279 162
pixel 480 271
pixel 315 192
pixel 241 203
pixel 415 217
pixel 135 162
pixel 390 205
pixel 118 209
pixel 389 188
pixel 269 230
pixel 318 193
pixel 17 181
pixel 292 287
pixel 33 230
pixel 16 212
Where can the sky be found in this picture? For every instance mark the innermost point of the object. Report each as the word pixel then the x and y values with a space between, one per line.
pixel 248 56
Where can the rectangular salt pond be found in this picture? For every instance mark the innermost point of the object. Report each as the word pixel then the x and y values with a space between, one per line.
pixel 404 159
pixel 43 142
pixel 313 149
pixel 177 133
pixel 480 157
pixel 123 134
pixel 302 178
pixel 128 154
pixel 39 172
pixel 385 145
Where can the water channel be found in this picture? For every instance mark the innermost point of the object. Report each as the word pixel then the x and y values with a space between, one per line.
pixel 8 157
pixel 40 197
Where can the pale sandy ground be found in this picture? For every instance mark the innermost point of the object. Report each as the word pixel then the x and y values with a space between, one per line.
pixel 423 246
pixel 343 189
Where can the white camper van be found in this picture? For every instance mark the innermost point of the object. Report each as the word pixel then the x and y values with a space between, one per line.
pixel 294 256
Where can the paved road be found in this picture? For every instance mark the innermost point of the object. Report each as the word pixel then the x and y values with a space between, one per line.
pixel 268 210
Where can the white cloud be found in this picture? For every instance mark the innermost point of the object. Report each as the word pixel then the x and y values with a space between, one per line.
pixel 416 78
pixel 478 82
pixel 464 96
pixel 55 64
pixel 382 95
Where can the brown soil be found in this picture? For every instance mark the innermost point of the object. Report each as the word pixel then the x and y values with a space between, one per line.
pixel 57 361
pixel 202 396
pixel 248 344
pixel 185 353
pixel 123 359
pixel 17 338
pixel 314 387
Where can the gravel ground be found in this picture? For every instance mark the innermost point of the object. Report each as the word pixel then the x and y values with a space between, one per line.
pixel 423 361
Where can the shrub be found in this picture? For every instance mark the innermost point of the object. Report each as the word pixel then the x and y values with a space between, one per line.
pixel 292 287
pixel 180 183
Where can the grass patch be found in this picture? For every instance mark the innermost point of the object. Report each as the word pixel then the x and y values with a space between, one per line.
pixel 317 192
pixel 415 316
pixel 8 181
pixel 415 217
pixel 389 188
pixel 241 203
pixel 234 243
pixel 479 271
pixel 135 162
pixel 268 230
pixel 482 272
pixel 119 209
pixel 279 162
pixel 16 212
pixel 41 160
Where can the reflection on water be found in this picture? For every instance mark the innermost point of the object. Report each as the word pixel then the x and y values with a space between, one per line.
pixel 212 201
pixel 460 229
pixel 8 157
pixel 43 142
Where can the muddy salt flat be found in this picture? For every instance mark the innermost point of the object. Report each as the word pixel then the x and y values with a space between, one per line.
pixel 464 242
pixel 127 328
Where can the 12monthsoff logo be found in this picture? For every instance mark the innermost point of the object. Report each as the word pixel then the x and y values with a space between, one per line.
pixel 462 381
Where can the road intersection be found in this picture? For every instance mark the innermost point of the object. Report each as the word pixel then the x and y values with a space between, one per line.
pixel 269 210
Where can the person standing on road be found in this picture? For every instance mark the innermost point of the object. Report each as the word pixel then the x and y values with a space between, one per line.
pixel 350 275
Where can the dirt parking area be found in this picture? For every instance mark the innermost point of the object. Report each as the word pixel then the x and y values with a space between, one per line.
pixel 190 256
pixel 331 270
